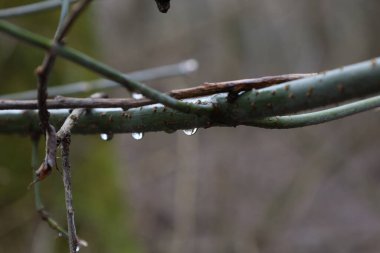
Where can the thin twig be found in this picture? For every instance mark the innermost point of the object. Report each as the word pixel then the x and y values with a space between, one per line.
pixel 31 8
pixel 44 215
pixel 68 23
pixel 65 5
pixel 236 85
pixel 54 139
pixel 72 119
pixel 182 68
pixel 102 69
pixel 50 157
pixel 198 91
pixel 44 70
pixel 73 239
pixel 37 196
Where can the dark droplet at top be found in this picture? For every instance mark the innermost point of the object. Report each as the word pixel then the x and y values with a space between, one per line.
pixel 163 5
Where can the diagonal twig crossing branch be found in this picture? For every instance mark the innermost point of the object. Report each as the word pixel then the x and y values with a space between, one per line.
pixel 100 68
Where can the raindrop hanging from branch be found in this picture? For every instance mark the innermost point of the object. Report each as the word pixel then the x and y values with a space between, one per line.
pixel 163 5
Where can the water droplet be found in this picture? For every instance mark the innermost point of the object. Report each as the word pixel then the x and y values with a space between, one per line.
pixel 106 136
pixel 137 95
pixel 190 131
pixel 77 249
pixel 137 136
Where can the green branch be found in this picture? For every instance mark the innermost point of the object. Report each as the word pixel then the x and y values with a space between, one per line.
pixel 319 117
pixel 248 108
pixel 159 118
pixel 100 68
pixel 35 164
pixel 337 86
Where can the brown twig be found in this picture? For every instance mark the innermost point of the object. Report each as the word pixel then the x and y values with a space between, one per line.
pixel 44 70
pixel 198 91
pixel 54 140
pixel 73 238
pixel 40 208
pixel 76 12
pixel 53 224
pixel 72 119
pixel 235 86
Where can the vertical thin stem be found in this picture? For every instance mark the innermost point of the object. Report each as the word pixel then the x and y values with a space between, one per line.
pixel 73 239
pixel 45 216
pixel 44 70
pixel 35 165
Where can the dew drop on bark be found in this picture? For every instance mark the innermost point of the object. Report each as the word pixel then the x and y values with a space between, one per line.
pixel 137 136
pixel 190 131
pixel 137 95
pixel 106 136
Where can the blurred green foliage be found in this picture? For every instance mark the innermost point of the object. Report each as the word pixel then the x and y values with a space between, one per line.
pixel 101 214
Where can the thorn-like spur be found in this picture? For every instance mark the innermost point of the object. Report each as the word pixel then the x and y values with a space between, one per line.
pixel 43 171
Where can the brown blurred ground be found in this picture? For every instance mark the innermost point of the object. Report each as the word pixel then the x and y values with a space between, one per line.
pixel 244 189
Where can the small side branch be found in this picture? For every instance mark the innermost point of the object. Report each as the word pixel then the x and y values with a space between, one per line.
pixel 37 196
pixel 69 124
pixel 73 238
pixel 72 119
pixel 182 68
pixel 102 69
pixel 44 215
pixel 31 8
pixel 44 70
pixel 53 140
pixel 37 193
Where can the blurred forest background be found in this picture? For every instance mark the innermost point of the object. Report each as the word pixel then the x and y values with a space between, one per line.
pixel 243 189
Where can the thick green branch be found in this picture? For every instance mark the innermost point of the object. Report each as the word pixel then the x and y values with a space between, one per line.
pixel 100 68
pixel 335 86
pixel 159 118
pixel 340 85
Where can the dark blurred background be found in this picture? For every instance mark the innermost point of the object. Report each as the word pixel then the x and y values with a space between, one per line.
pixel 243 189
